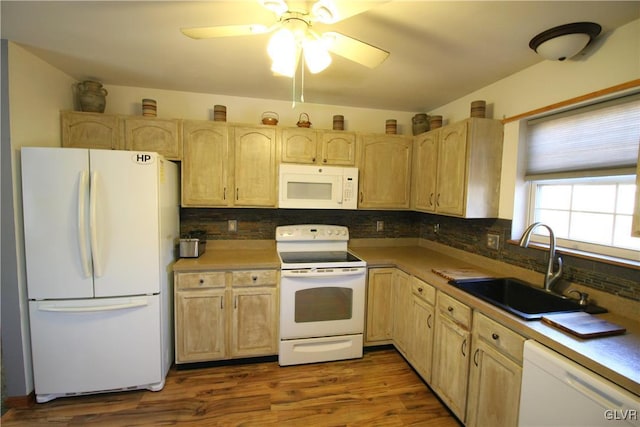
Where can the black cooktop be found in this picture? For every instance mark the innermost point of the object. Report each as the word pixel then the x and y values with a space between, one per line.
pixel 319 257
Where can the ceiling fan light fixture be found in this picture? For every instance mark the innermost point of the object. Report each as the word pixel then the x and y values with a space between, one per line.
pixel 316 55
pixel 322 12
pixel 565 41
pixel 276 6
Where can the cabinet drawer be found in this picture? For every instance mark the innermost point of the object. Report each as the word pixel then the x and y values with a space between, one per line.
pixel 253 278
pixel 200 280
pixel 500 337
pixel 423 290
pixel 454 309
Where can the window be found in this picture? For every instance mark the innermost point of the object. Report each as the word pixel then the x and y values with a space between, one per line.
pixel 581 165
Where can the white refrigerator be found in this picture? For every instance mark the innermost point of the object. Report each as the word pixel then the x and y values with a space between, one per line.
pixel 100 229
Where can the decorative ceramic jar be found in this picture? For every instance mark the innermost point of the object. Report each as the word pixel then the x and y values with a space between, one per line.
pixel 92 95
pixel 303 121
pixel 420 123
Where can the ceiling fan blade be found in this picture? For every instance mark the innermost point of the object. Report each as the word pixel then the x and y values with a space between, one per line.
pixel 355 50
pixel 225 31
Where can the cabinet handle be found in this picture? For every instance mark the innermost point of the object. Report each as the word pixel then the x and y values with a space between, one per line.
pixel 202 281
pixel 313 159
pixel 222 303
pixel 450 309
pixel 431 199
pixel 429 323
pixel 420 290
pixel 235 303
pixel 224 193
pixel 361 195
pixel 495 336
pixel 438 200
pixel 475 357
pixel 237 193
pixel 254 278
pixel 464 347
pixel 324 160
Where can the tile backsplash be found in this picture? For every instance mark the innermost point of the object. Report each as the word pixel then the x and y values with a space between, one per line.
pixel 467 234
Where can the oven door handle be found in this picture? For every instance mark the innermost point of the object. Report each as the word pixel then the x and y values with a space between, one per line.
pixel 322 272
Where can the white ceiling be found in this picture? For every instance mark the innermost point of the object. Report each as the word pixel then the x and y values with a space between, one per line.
pixel 440 50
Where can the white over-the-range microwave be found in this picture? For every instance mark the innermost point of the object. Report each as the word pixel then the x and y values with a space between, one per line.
pixel 318 187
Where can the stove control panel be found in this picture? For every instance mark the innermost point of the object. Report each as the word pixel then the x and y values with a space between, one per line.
pixel 309 232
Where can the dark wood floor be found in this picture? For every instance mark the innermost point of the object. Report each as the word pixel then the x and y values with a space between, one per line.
pixel 378 390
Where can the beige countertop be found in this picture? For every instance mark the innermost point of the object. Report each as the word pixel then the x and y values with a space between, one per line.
pixel 616 358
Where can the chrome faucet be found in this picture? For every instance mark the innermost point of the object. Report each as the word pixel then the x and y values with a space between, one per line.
pixel 550 277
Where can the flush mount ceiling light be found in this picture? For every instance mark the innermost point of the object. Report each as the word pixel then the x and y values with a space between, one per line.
pixel 565 41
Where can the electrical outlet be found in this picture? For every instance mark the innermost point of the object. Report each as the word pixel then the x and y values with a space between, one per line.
pixel 232 226
pixel 493 241
pixel 436 228
pixel 379 225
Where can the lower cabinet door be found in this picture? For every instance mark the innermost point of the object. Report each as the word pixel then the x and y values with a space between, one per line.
pixel 451 364
pixel 200 325
pixel 494 389
pixel 422 328
pixel 255 322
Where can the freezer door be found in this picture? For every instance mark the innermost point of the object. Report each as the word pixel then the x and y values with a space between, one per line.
pixel 84 346
pixel 55 188
pixel 124 222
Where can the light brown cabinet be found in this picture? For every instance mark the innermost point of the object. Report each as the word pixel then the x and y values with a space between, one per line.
pixel 385 172
pixel 421 326
pixel 113 132
pixel 223 315
pixel 90 130
pixel 318 147
pixel 224 166
pixel 200 325
pixel 204 164
pixel 379 322
pixel 401 312
pixel 457 169
pixel 452 347
pixel 163 136
pixel 495 374
pixel 254 167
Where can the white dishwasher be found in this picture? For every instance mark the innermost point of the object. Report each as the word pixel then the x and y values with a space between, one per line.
pixel 558 392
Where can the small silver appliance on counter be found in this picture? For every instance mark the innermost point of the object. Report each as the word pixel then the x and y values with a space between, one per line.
pixel 192 248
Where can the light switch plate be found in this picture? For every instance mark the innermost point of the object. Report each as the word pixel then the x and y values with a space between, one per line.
pixel 493 241
pixel 232 225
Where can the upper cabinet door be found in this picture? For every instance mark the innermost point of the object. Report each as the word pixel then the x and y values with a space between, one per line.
pixel 255 167
pixel 299 146
pixel 89 130
pixel 163 136
pixel 452 162
pixel 338 148
pixel 204 164
pixel 425 167
pixel 385 172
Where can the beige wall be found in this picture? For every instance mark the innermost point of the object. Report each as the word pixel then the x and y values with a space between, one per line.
pixel 37 92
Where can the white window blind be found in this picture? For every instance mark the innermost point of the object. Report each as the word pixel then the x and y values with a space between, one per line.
pixel 596 137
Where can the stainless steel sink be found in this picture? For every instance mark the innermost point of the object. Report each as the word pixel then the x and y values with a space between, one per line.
pixel 517 297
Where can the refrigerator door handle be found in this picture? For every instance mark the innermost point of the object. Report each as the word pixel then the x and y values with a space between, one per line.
pixel 82 222
pixel 93 227
pixel 55 307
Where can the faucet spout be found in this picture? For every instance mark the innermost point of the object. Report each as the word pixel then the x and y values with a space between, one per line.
pixel 551 276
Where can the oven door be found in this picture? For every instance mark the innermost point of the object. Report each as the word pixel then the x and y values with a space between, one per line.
pixel 322 302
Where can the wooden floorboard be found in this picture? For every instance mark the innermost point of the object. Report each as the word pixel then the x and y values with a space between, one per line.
pixel 380 389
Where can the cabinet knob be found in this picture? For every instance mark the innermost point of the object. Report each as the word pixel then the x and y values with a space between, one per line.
pixel 420 290
pixel 324 160
pixel 313 159
pixel 450 309
pixel 495 336
pixel 201 281
pixel 254 278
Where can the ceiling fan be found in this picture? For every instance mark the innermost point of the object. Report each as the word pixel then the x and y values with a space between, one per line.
pixel 293 36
